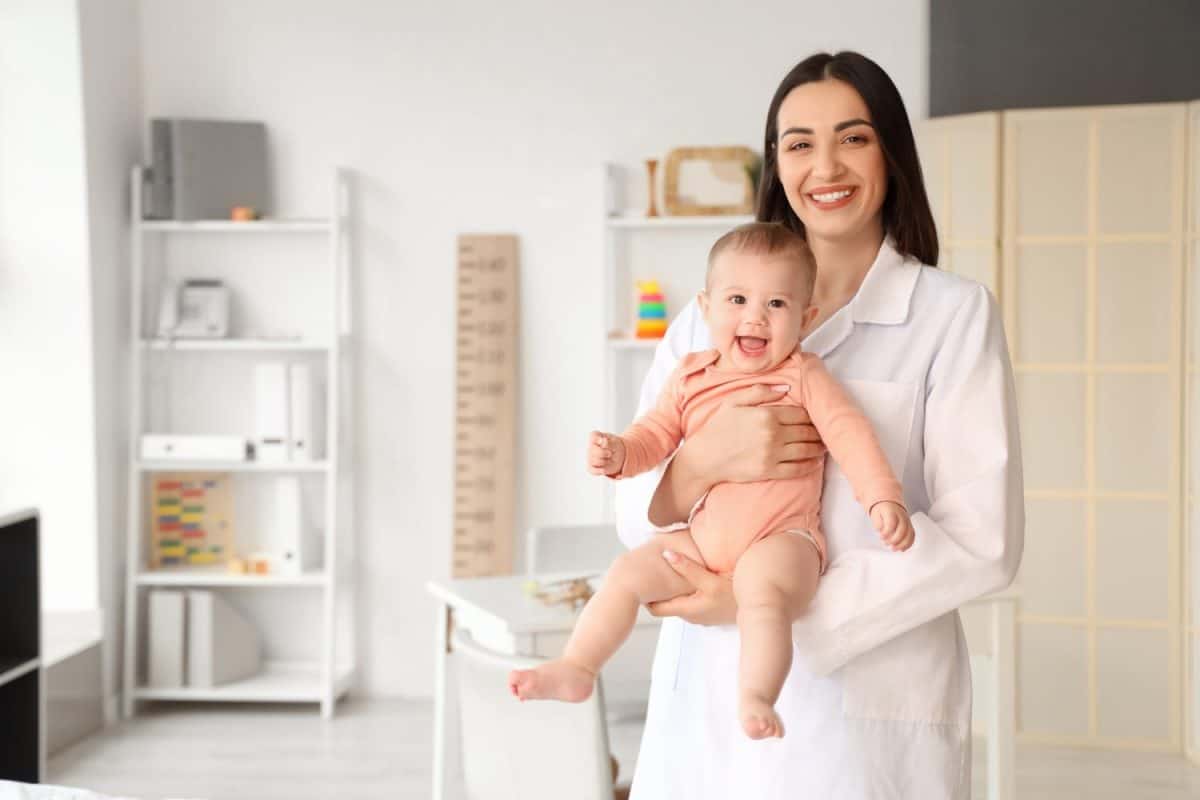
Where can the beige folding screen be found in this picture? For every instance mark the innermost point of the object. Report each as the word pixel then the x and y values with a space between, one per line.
pixel 1192 541
pixel 960 157
pixel 1092 235
pixel 1090 207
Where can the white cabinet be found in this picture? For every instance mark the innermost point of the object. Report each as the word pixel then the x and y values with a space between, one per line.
pixel 289 282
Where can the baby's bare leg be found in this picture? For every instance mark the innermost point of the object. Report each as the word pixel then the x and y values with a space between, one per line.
pixel 636 577
pixel 773 581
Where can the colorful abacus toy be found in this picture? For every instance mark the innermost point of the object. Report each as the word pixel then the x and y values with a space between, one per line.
pixel 651 311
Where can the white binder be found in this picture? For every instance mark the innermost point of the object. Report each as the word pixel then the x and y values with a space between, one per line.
pixel 271 411
pixel 166 627
pixel 288 535
pixel 302 445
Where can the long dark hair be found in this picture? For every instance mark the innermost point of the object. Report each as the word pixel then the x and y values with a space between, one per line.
pixel 906 215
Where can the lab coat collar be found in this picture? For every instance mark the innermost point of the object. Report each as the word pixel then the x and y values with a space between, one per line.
pixel 886 291
pixel 882 299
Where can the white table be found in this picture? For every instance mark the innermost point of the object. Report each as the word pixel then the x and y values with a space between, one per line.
pixel 501 617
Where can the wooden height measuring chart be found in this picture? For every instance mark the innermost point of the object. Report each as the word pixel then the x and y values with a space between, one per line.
pixel 485 406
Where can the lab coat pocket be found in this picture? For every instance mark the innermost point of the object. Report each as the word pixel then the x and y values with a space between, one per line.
pixel 920 676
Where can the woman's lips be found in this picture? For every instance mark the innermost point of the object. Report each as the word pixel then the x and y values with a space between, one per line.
pixel 830 199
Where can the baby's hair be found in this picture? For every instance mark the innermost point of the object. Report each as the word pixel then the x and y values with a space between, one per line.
pixel 767 239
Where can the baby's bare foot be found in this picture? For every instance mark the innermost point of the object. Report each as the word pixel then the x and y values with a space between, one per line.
pixel 554 680
pixel 758 717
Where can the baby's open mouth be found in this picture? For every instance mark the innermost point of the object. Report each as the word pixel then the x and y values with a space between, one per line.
pixel 752 345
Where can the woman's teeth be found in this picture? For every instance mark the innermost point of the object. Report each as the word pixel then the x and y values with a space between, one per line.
pixel 831 197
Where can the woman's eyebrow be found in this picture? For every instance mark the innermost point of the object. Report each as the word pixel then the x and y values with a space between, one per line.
pixel 850 123
pixel 841 126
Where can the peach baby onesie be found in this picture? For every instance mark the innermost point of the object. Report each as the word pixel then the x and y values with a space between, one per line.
pixel 732 516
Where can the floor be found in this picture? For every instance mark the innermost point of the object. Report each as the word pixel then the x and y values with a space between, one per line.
pixel 382 750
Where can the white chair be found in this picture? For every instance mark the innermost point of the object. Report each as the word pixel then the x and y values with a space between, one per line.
pixel 571 548
pixel 525 751
pixel 592 548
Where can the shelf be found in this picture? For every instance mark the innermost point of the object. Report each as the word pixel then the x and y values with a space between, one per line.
pixel 220 576
pixel 12 668
pixel 231 466
pixel 279 682
pixel 638 221
pixel 229 226
pixel 647 345
pixel 234 345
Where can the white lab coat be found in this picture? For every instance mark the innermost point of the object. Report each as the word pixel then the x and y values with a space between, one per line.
pixel 878 702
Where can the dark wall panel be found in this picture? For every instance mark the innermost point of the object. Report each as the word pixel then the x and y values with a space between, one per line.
pixel 986 55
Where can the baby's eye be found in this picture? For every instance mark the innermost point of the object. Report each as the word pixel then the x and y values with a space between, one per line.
pixel 776 303
pixel 737 299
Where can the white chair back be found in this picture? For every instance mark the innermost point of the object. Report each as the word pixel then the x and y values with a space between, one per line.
pixel 570 548
pixel 525 751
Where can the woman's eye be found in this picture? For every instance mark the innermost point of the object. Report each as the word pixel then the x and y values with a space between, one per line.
pixel 855 138
pixel 800 146
pixel 737 299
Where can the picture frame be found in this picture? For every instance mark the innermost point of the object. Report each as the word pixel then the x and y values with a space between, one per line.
pixel 730 165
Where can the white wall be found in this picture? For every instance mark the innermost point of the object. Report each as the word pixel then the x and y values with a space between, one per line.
pixel 111 72
pixel 474 116
pixel 47 418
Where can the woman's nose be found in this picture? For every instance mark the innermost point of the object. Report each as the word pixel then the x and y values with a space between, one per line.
pixel 826 165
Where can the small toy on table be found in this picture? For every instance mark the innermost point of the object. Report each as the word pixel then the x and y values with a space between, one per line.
pixel 651 312
pixel 574 592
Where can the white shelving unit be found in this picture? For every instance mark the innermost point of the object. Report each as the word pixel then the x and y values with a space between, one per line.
pixel 671 250
pixel 329 673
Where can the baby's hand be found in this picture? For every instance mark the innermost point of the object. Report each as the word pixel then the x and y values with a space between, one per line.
pixel 606 453
pixel 893 524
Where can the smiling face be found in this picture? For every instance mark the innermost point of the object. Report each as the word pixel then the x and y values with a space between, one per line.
pixel 756 306
pixel 830 161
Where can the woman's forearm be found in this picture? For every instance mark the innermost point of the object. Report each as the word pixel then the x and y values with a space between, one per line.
pixel 681 486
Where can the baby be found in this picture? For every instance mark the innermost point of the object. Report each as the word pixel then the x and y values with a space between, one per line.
pixel 766 534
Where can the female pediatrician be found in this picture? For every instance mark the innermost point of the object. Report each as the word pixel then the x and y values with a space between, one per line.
pixel 878 702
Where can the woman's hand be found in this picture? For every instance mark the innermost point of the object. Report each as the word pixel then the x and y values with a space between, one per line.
pixel 743 441
pixel 748 441
pixel 712 602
